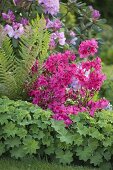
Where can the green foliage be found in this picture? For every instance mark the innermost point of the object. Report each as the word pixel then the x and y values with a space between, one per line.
pixel 26 129
pixel 21 131
pixel 15 71
pixel 68 16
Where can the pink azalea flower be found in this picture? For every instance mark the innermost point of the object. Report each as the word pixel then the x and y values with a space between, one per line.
pixel 87 48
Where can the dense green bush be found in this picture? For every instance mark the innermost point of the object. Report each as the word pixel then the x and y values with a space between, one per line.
pixel 26 129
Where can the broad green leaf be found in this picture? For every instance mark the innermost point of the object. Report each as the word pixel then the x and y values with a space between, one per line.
pixel 10 129
pixel 2 148
pixel 30 145
pixel 64 157
pixel 11 142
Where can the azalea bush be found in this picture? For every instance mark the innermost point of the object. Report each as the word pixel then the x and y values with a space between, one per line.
pixel 68 87
pixel 26 129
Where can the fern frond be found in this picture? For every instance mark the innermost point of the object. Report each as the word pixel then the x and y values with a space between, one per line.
pixel 7 54
pixel 7 81
pixel 34 43
pixel 14 72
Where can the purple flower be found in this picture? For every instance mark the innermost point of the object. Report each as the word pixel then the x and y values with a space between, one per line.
pixel 95 14
pixel 18 30
pixel 57 37
pixel 49 23
pixel 75 85
pixel 14 31
pixel 52 44
pixel 54 36
pixel 73 38
pixel 55 25
pixel 24 21
pixel 50 6
pixel 61 38
pixel 9 17
pixel 9 30
pixel 16 2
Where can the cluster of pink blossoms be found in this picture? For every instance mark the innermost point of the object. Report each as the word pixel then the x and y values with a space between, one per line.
pixel 87 48
pixel 67 87
pixel 50 6
pixel 13 28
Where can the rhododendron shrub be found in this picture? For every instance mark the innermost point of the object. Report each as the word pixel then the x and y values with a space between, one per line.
pixel 16 14
pixel 67 87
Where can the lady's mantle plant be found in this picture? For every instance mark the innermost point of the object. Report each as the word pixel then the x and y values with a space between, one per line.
pixel 26 129
pixel 67 87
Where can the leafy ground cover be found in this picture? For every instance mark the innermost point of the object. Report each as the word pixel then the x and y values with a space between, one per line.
pixel 32 164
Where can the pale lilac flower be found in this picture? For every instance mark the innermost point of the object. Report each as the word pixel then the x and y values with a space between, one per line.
pixel 109 107
pixel 9 30
pixel 72 33
pixel 49 23
pixel 52 43
pixel 75 85
pixel 57 36
pixel 73 41
pixel 50 6
pixel 9 17
pixel 14 31
pixel 61 38
pixel 91 8
pixel 54 36
pixel 18 30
